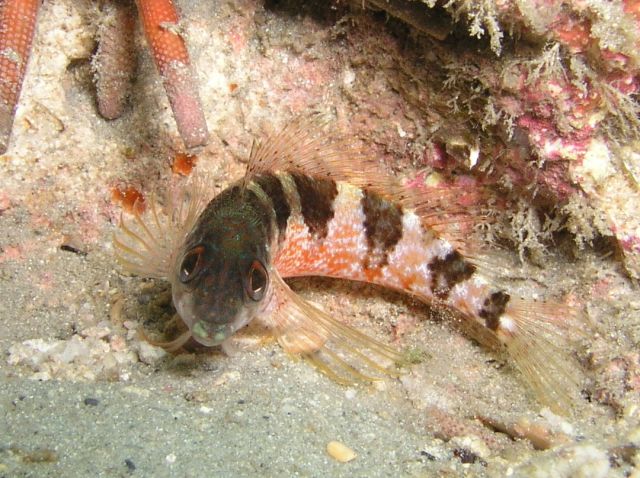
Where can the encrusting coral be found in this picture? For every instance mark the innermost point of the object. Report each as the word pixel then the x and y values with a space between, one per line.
pixel 547 110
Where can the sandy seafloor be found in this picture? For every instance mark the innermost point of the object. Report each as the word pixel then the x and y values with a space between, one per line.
pixel 85 397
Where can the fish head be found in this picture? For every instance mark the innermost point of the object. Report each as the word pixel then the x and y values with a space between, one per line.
pixel 220 282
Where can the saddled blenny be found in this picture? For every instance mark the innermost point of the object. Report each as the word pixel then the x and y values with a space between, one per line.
pixel 312 204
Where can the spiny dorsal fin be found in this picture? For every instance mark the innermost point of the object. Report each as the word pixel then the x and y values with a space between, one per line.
pixel 308 146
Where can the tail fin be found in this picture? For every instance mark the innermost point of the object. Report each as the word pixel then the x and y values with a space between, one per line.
pixel 536 335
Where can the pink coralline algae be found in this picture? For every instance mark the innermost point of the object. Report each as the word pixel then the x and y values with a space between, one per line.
pixel 547 111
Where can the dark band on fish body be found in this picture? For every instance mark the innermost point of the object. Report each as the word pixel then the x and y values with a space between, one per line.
pixel 209 215
pixel 262 208
pixel 493 308
pixel 449 271
pixel 231 204
pixel 382 225
pixel 316 202
pixel 272 187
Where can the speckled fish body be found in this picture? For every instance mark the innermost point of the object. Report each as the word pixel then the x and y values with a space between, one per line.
pixel 335 229
pixel 302 210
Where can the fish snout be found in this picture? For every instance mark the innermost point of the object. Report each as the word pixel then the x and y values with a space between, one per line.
pixel 209 333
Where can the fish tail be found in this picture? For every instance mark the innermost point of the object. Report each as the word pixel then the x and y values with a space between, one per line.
pixel 536 335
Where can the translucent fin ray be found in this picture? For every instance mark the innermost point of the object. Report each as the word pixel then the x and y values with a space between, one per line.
pixel 537 341
pixel 171 346
pixel 147 243
pixel 306 145
pixel 344 354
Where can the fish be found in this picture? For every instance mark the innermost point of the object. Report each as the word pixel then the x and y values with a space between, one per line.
pixel 313 203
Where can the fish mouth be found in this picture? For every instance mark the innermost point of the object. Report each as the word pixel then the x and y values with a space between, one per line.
pixel 209 336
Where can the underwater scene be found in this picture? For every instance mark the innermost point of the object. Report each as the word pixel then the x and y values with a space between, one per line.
pixel 319 238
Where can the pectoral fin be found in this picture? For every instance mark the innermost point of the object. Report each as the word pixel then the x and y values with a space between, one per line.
pixel 341 352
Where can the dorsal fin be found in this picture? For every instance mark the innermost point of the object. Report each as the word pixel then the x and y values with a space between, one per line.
pixel 454 209
pixel 308 146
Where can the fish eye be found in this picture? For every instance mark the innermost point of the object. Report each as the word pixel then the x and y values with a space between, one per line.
pixel 191 264
pixel 256 281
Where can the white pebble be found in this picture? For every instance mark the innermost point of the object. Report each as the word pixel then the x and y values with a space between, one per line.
pixel 150 354
pixel 350 394
pixel 74 349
